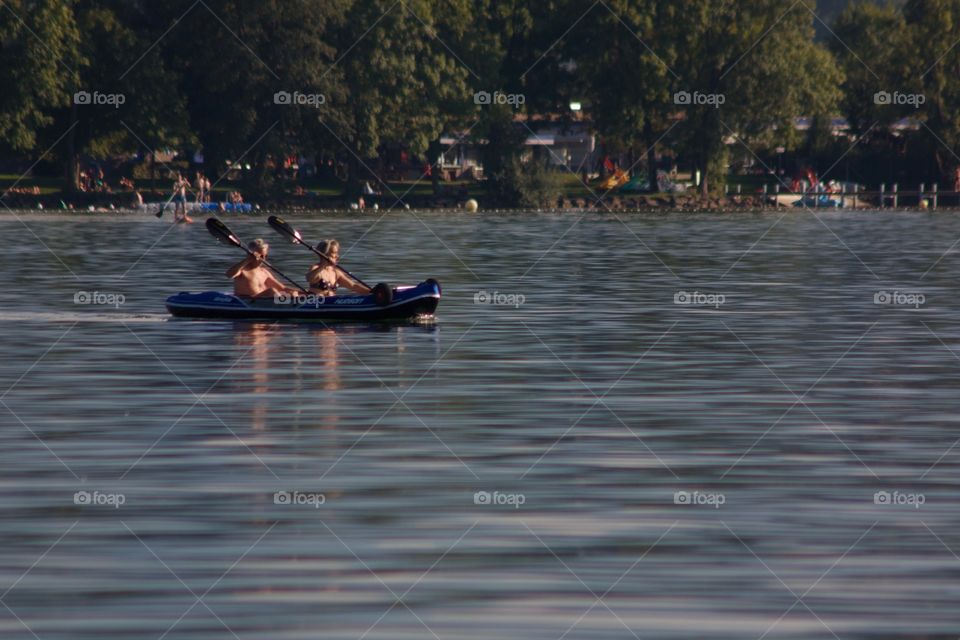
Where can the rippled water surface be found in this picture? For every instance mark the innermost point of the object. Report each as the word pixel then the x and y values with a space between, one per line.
pixel 669 426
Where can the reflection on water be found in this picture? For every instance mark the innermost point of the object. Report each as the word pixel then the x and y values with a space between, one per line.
pixel 306 358
pixel 696 436
pixel 256 340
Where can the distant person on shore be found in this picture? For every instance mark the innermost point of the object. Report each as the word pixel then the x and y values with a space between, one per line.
pixel 324 277
pixel 34 190
pixel 253 280
pixel 200 185
pixel 206 189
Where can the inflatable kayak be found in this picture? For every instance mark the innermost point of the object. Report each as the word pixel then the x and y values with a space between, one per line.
pixel 399 303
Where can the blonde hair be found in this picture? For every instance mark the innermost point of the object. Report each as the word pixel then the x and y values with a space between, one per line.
pixel 327 247
pixel 258 245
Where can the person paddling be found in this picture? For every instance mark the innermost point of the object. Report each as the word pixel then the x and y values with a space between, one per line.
pixel 253 280
pixel 180 199
pixel 324 277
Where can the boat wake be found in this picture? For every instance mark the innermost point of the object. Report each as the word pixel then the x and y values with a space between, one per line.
pixel 92 317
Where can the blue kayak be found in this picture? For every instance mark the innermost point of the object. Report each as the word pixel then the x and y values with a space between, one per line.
pixel 399 303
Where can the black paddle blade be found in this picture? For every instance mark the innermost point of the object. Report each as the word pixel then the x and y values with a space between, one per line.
pixel 220 231
pixel 280 225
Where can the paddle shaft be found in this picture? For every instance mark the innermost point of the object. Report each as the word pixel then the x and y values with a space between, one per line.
pixel 282 226
pixel 165 204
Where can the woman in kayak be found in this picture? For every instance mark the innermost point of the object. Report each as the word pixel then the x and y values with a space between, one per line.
pixel 253 280
pixel 324 277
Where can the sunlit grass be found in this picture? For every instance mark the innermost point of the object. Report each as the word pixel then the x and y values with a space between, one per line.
pixel 48 186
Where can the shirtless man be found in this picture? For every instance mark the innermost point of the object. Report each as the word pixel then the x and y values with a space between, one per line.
pixel 253 280
pixel 180 199
pixel 200 185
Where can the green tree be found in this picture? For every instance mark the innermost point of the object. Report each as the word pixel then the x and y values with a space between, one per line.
pixel 624 59
pixel 401 80
pixel 237 58
pixel 932 28
pixel 496 51
pixel 514 47
pixel 39 55
pixel 870 46
pixel 757 67
pixel 129 100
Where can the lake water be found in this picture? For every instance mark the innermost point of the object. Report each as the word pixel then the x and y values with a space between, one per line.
pixel 668 426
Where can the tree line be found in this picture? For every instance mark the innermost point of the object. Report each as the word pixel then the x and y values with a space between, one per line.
pixel 344 79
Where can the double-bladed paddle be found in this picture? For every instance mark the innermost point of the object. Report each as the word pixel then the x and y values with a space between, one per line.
pixel 221 232
pixel 294 236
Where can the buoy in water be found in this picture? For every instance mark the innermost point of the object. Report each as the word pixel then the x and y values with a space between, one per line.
pixel 471 206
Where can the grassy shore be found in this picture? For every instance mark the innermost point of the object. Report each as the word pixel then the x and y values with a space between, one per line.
pixel 569 186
